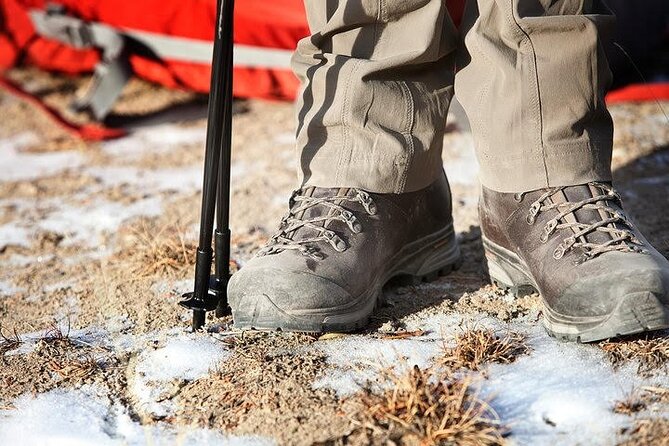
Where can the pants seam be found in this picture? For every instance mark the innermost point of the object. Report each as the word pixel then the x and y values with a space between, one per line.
pixel 524 35
pixel 407 133
pixel 342 165
pixel 344 123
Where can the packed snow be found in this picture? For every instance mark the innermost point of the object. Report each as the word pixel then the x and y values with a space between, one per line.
pixel 88 417
pixel 183 358
pixel 357 361
pixel 87 224
pixel 17 165
pixel 156 139
pixel 560 393
pixel 12 235
pixel 186 179
pixel 7 288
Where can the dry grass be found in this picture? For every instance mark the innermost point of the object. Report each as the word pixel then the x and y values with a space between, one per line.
pixel 8 342
pixel 648 432
pixel 656 394
pixel 641 399
pixel 150 248
pixel 427 408
pixel 651 351
pixel 55 360
pixel 266 388
pixel 632 404
pixel 475 347
pixel 65 357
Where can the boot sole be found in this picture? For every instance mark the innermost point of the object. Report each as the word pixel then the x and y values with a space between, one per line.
pixel 424 260
pixel 636 313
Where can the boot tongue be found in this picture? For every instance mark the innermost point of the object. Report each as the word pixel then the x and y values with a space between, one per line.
pixel 575 194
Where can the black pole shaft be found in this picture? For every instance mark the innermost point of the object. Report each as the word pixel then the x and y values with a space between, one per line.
pixel 220 79
pixel 222 235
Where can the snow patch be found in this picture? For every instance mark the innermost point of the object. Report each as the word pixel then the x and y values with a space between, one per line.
pixel 16 165
pixel 87 224
pixel 154 181
pixel 562 393
pixel 95 336
pixel 183 180
pixel 11 235
pixel 7 289
pixel 183 358
pixel 154 139
pixel 87 417
pixel 358 361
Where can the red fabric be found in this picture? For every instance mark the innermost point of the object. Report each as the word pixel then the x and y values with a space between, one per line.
pixel 89 132
pixel 639 92
pixel 265 23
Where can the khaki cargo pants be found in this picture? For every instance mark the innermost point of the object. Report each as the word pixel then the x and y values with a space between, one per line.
pixel 378 76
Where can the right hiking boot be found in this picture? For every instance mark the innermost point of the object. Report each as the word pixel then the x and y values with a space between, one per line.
pixel 598 276
pixel 325 267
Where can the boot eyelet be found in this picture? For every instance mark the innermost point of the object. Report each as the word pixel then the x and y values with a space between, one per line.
pixel 518 197
pixel 533 212
pixel 558 253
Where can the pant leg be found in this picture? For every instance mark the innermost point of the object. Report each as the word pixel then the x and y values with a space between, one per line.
pixel 377 79
pixel 533 87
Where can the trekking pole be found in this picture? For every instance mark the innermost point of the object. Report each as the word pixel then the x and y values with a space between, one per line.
pixel 210 293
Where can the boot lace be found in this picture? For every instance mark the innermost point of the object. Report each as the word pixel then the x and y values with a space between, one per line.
pixel 622 239
pixel 283 240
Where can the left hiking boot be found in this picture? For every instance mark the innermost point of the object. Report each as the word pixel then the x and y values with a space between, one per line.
pixel 598 276
pixel 324 268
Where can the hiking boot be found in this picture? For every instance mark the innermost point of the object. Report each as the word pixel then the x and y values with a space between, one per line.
pixel 598 276
pixel 324 268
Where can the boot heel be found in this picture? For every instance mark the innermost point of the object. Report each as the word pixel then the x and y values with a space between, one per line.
pixel 508 276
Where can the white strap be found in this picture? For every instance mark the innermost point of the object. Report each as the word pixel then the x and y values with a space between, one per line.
pixel 75 32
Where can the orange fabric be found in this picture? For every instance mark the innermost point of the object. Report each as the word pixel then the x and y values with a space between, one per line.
pixel 639 92
pixel 273 24
pixel 264 23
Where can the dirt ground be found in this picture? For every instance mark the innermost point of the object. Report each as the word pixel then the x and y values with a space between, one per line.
pixel 97 242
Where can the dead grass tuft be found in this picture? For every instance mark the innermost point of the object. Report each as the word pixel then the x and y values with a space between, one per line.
pixel 65 357
pixel 656 394
pixel 150 248
pixel 651 351
pixel 476 347
pixel 423 407
pixel 632 404
pixel 8 342
pixel 641 399
pixel 648 432
pixel 55 361
pixel 269 377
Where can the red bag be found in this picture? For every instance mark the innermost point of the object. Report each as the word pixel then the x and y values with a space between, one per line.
pixel 275 24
